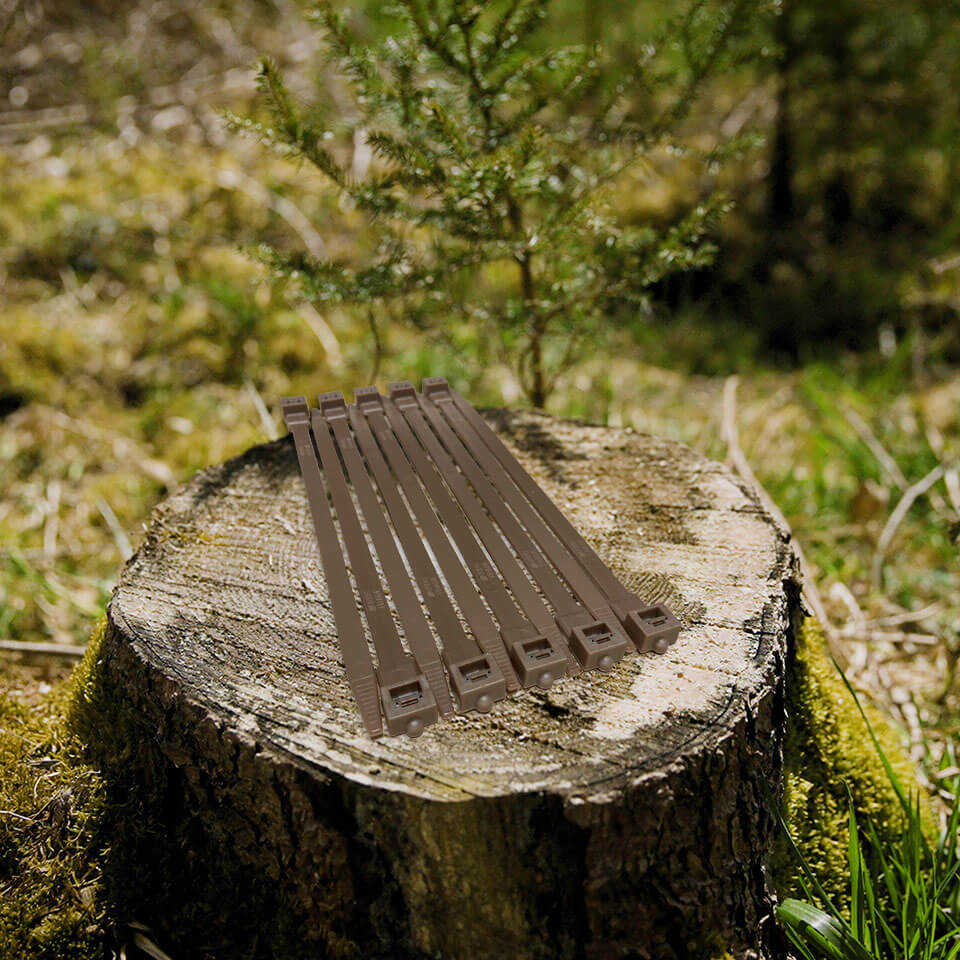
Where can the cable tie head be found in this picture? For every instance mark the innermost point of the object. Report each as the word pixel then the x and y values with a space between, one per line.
pixel 403 393
pixel 295 410
pixel 368 399
pixel 436 389
pixel 652 628
pixel 333 406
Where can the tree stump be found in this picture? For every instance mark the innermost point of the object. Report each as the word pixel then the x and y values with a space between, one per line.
pixel 616 815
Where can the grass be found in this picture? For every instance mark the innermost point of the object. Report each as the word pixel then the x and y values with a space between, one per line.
pixel 829 766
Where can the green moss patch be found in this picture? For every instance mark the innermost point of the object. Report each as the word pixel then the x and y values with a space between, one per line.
pixel 828 752
pixel 161 864
pixel 85 849
pixel 51 808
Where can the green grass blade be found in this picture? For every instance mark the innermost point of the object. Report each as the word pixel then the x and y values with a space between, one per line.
pixel 857 875
pixel 824 936
pixel 809 883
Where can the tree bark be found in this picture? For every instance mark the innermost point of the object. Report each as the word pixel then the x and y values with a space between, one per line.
pixel 626 815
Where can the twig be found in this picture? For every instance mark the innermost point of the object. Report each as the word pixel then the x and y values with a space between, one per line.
pixel 744 111
pixel 892 637
pixel 323 331
pixel 44 117
pixel 952 483
pixel 863 431
pixel 43 649
pixel 377 346
pixel 899 512
pixel 842 592
pixel 737 458
pixel 269 424
pixel 235 180
pixel 119 537
pixel 908 616
pixel 935 442
pixel 944 264
pixel 897 636
pixel 362 154
pixel 143 942
pixel 19 816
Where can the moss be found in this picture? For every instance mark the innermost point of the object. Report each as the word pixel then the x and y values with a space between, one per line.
pixel 51 903
pixel 712 946
pixel 828 752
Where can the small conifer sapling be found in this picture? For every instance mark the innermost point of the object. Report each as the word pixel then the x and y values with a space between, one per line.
pixel 491 195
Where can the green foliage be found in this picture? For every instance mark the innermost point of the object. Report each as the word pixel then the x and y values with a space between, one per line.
pixel 495 165
pixel 902 897
pixel 869 91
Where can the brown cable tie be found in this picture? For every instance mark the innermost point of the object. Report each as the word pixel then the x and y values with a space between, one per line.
pixel 397 448
pixel 408 703
pixel 476 680
pixel 593 633
pixel 583 636
pixel 651 627
pixel 514 628
pixel 547 652
pixel 353 643
pixel 415 627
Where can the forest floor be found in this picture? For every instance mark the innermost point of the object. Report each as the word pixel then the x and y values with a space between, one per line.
pixel 139 342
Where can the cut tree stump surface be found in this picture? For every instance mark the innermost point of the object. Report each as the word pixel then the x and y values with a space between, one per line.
pixel 659 768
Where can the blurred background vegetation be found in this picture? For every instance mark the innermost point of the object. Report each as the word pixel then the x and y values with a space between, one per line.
pixel 140 340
